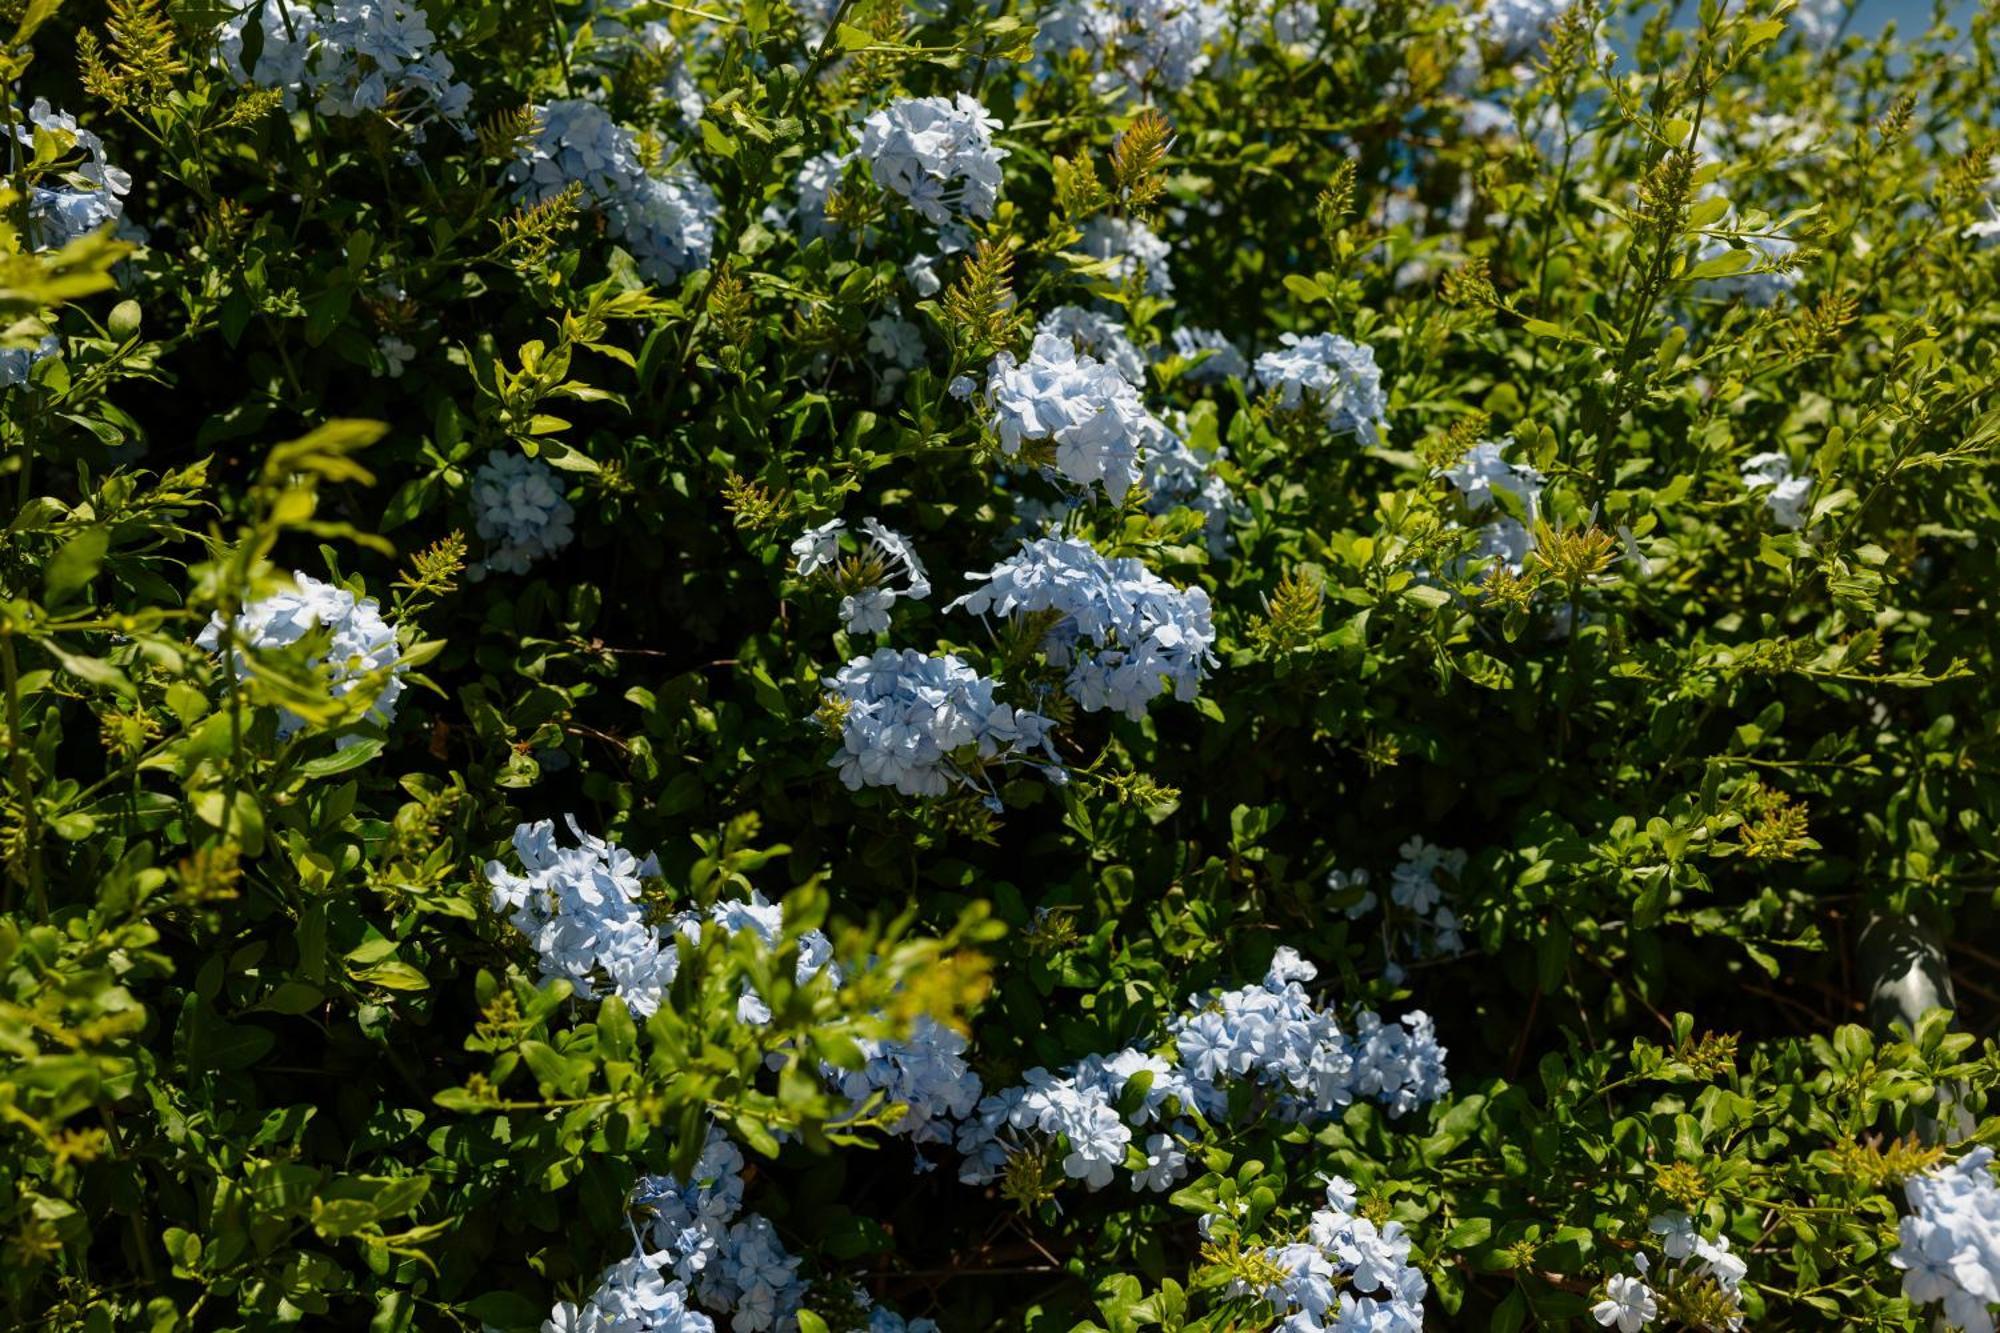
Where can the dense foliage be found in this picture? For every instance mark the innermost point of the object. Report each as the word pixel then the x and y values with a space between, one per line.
pixel 1051 664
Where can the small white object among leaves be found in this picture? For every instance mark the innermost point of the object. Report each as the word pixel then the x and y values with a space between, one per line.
pixel 1770 475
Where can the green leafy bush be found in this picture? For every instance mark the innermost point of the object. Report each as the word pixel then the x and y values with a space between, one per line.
pixel 1212 664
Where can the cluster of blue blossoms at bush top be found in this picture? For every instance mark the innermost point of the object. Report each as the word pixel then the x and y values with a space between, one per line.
pixel 584 910
pixel 362 644
pixel 667 221
pixel 921 723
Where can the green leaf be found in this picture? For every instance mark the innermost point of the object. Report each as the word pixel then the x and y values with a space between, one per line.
pixel 72 567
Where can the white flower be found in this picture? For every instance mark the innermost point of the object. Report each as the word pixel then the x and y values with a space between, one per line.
pixel 1140 43
pixel 908 716
pixel 1785 495
pixel 397 354
pixel 817 548
pixel 93 191
pixel 350 56
pixel 1096 336
pixel 1131 249
pixel 1483 474
pixel 1628 1303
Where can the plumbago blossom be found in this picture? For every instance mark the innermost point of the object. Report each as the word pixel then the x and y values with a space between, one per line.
pixel 1099 336
pixel 1330 375
pixel 937 153
pixel 584 910
pixel 926 724
pixel 1950 1249
pixel 1430 928
pixel 667 222
pixel 1347 1274
pixel 1695 1266
pixel 867 596
pixel 17 362
pixel 1142 43
pixel 1176 477
pixel 1220 358
pixel 698 1257
pixel 1084 407
pixel 1517 28
pixel 1130 249
pixel 1480 478
pixel 1770 474
pixel 1125 634
pixel 362 643
pixel 350 57
pixel 519 511
pixel 1269 1034
pixel 1762 280
pixel 92 192
pixel 925 1072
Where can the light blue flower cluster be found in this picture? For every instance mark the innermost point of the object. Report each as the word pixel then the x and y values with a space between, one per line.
pixel 1085 408
pixel 16 362
pixel 350 56
pixel 667 222
pixel 867 597
pixel 584 911
pixel 1220 358
pixel 1950 1249
pixel 1273 1035
pixel 923 724
pixel 1423 921
pixel 696 1247
pixel 362 643
pixel 519 511
pixel 1099 336
pixel 1270 1034
pixel 818 177
pixel 631 1297
pixel 1174 476
pixel 1762 281
pixel 1131 251
pixel 1125 634
pixel 732 1265
pixel 1139 43
pixel 926 1073
pixel 1517 28
pixel 1483 472
pixel 1785 495
pixel 93 191
pixel 1346 1276
pixel 1330 375
pixel 937 153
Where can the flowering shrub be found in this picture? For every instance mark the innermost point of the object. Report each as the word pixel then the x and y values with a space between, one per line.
pixel 928 665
